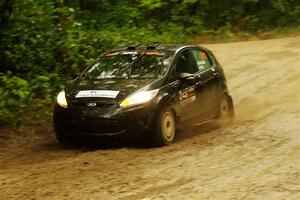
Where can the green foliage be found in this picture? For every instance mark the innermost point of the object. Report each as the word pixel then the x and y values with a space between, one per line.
pixel 44 42
pixel 22 97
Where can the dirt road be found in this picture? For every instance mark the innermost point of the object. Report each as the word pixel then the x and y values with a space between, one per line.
pixel 258 157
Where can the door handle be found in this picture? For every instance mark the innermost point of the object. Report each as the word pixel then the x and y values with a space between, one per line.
pixel 174 84
pixel 198 83
pixel 215 72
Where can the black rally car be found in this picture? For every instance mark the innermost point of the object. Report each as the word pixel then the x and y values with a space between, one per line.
pixel 143 91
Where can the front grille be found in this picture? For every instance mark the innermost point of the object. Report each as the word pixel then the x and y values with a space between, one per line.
pixel 92 125
pixel 99 103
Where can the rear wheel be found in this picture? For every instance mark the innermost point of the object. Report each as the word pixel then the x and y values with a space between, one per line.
pixel 164 132
pixel 226 110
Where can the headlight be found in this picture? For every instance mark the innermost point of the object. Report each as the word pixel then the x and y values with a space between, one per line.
pixel 138 98
pixel 61 99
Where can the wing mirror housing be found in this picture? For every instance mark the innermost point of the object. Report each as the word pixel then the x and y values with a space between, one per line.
pixel 187 77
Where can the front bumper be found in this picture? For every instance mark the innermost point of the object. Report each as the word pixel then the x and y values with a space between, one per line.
pixel 112 121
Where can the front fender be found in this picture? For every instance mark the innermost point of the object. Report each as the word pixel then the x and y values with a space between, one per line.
pixel 167 100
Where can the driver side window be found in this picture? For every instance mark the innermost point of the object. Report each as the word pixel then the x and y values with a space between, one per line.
pixel 185 64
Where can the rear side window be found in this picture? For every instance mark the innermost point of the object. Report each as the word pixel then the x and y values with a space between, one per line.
pixel 202 59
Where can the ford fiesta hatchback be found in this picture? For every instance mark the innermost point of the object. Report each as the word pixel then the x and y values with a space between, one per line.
pixel 143 92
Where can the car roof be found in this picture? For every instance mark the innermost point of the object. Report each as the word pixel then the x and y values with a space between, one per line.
pixel 174 47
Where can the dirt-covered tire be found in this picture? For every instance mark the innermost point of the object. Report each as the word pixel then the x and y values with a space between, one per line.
pixel 164 132
pixel 226 111
pixel 65 140
pixel 69 141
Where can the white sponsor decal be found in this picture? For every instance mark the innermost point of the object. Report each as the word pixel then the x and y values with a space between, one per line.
pixel 188 101
pixel 97 93
pixel 202 62
pixel 187 96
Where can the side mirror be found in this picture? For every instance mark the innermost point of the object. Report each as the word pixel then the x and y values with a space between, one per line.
pixel 186 76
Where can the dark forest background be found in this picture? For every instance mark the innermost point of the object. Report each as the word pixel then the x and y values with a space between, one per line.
pixel 43 43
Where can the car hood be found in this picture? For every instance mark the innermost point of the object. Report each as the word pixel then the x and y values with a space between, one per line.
pixel 124 86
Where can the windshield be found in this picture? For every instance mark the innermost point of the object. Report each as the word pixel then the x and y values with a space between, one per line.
pixel 129 65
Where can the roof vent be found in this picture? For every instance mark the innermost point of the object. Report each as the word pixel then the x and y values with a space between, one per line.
pixel 153 45
pixel 133 46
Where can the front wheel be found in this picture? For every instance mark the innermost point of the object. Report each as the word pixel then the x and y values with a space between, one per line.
pixel 164 132
pixel 64 139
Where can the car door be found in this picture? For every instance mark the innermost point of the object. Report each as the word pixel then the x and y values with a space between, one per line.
pixel 210 81
pixel 188 92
